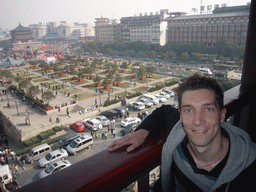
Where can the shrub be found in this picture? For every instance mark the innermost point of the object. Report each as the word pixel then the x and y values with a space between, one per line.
pixel 28 143
pixel 35 139
pixel 107 103
pixel 51 132
pixel 57 128
pixel 134 95
pixel 43 135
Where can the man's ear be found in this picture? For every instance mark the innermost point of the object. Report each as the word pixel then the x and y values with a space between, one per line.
pixel 223 115
pixel 180 115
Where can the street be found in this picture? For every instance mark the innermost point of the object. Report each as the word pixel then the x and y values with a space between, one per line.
pixel 31 173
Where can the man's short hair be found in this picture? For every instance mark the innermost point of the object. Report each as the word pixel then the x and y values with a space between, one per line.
pixel 198 81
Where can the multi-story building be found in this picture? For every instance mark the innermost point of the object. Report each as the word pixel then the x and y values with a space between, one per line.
pixel 62 31
pixel 106 30
pixel 147 28
pixel 224 22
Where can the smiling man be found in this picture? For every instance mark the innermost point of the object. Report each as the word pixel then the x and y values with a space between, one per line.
pixel 202 152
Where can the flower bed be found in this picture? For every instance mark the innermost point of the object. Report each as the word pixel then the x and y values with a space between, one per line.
pixel 143 87
pixel 142 82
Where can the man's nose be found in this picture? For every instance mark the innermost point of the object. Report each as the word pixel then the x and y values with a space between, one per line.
pixel 199 118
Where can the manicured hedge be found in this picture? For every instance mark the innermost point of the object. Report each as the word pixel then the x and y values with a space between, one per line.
pixel 49 142
pixel 107 103
pixel 42 136
pixel 134 95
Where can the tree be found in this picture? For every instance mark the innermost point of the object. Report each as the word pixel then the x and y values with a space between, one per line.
pixel 48 95
pixel 118 78
pixel 196 56
pixel 97 79
pixel 24 84
pixel 33 91
pixel 124 65
pixel 105 82
pixel 142 71
pixel 185 56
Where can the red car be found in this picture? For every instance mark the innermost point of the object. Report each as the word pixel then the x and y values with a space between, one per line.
pixel 77 126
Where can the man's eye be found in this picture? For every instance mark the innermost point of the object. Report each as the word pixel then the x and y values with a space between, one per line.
pixel 188 110
pixel 209 109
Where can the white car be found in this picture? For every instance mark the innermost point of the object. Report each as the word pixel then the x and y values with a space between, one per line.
pixel 93 124
pixel 130 120
pixel 165 95
pixel 104 120
pixel 54 167
pixel 161 98
pixel 171 93
pixel 146 102
pixel 53 156
pixel 138 105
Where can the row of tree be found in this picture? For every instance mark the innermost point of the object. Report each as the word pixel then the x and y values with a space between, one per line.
pixel 224 48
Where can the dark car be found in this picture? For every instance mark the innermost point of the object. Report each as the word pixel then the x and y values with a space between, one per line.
pixel 65 141
pixel 129 129
pixel 110 114
pixel 120 110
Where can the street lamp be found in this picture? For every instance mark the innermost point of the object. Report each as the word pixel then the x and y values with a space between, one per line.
pixel 17 108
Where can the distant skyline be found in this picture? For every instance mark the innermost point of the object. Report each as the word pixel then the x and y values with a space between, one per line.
pixel 29 12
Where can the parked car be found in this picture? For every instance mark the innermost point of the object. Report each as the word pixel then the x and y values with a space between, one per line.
pixel 65 141
pixel 110 114
pixel 104 120
pixel 120 110
pixel 171 93
pixel 146 102
pixel 129 129
pixel 77 126
pixel 80 144
pixel 130 120
pixel 161 98
pixel 138 106
pixel 54 168
pixel 151 98
pixel 165 95
pixel 53 156
pixel 93 124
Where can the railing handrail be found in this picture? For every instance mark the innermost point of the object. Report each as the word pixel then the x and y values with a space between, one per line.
pixel 104 171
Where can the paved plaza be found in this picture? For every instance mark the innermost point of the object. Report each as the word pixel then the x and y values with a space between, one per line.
pixel 18 108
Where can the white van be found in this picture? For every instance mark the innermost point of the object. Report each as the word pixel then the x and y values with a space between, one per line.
pixel 151 98
pixel 205 71
pixel 37 153
pixel 80 144
pixel 5 174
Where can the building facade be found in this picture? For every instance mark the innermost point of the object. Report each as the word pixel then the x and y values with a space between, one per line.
pixel 106 30
pixel 147 28
pixel 224 22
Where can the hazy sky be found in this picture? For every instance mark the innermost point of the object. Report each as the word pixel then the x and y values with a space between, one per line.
pixel 85 11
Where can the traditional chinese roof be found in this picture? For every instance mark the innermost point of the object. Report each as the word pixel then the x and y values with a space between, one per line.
pixel 20 28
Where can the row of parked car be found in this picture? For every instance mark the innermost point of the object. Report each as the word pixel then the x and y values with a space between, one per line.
pixel 100 121
pixel 54 158
pixel 146 100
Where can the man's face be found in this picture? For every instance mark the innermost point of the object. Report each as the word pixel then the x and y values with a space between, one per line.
pixel 201 116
